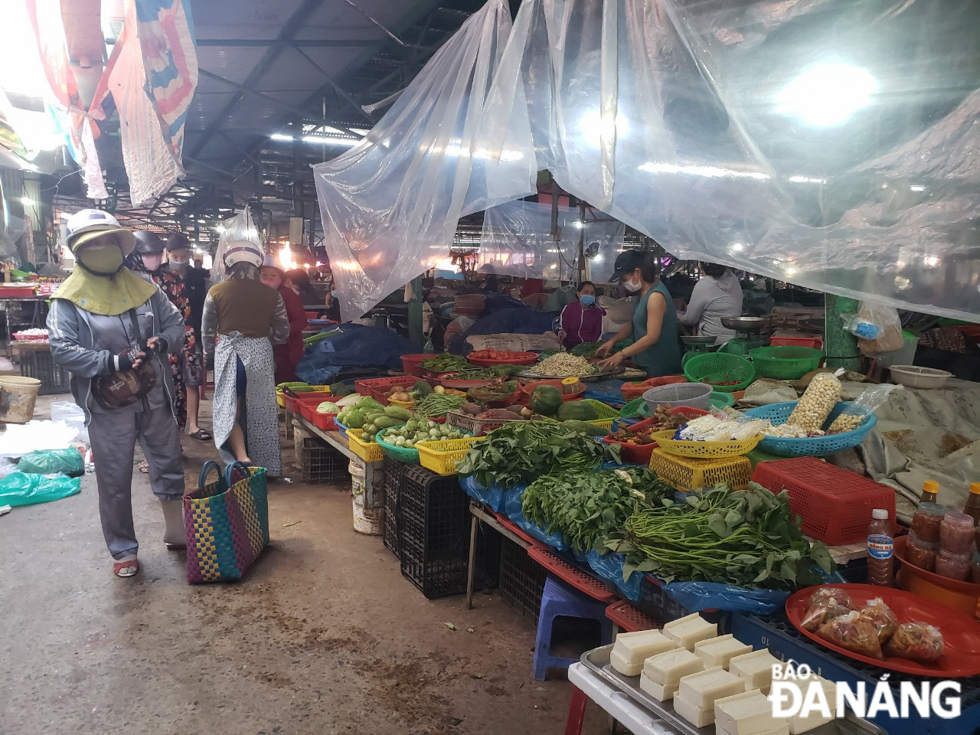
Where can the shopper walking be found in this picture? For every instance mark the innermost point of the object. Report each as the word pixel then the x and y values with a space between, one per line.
pixel 289 354
pixel 110 328
pixel 245 317
pixel 195 284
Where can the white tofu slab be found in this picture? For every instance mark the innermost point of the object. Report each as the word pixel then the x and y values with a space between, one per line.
pixel 667 668
pixel 720 651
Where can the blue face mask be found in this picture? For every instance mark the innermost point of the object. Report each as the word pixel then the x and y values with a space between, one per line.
pixel 333 294
pixel 586 300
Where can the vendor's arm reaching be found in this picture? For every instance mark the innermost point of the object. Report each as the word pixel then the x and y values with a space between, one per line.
pixel 656 309
pixel 624 331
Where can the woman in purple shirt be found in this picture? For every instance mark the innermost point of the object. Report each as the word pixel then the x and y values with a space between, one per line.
pixel 581 321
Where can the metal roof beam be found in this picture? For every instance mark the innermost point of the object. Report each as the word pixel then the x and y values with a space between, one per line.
pixel 336 87
pixel 281 43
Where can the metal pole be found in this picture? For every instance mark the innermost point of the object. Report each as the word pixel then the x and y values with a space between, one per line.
pixel 840 345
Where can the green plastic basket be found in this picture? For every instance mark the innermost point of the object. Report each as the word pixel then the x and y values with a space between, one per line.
pixel 785 363
pixel 602 410
pixel 402 454
pixel 632 409
pixel 718 367
pixel 721 400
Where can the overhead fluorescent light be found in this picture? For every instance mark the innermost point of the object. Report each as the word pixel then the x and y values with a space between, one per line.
pixel 828 93
pixel 807 180
pixel 329 140
pixel 711 172
pixel 282 136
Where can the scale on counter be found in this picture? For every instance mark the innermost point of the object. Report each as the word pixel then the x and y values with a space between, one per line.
pixel 748 334
pixel 696 346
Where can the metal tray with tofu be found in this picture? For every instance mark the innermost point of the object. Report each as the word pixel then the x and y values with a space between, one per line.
pixel 598 661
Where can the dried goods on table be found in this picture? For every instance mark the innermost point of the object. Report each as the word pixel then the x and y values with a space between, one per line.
pixel 817 402
pixel 564 365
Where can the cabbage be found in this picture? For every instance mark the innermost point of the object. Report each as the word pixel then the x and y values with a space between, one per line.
pixel 328 407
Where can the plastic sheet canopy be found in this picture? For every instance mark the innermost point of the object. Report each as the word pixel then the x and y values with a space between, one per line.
pixel 234 229
pixel 517 241
pixel 831 144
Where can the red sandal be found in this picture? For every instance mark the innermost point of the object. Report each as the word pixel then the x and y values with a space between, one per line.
pixel 126 568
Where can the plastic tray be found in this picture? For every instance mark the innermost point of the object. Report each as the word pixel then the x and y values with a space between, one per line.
pixel 368 451
pixel 505 358
pixel 637 389
pixel 835 504
pixel 961 652
pixel 447 381
pixel 960 596
pixel 442 456
pixel 913 376
pixel 817 446
pixel 717 367
pixel 685 473
pixel 785 363
pixel 704 450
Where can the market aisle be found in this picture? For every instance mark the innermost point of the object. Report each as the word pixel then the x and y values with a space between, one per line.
pixel 324 637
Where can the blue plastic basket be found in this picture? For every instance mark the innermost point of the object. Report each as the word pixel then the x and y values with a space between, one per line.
pixel 341 428
pixel 817 446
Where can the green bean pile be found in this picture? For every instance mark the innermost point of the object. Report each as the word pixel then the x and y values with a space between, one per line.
pixel 436 404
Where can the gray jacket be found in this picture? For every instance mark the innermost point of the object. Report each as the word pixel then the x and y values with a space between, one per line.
pixel 73 344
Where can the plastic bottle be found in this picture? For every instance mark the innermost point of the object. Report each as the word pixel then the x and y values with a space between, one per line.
pixel 972 507
pixel 881 562
pixel 930 492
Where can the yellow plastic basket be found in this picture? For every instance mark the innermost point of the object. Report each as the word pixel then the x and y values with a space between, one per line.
pixel 684 473
pixel 402 404
pixel 306 388
pixel 602 423
pixel 442 456
pixel 704 450
pixel 368 451
pixel 602 410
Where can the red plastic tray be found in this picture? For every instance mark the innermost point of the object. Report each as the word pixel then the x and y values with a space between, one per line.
pixel 628 618
pixel 835 504
pixel 578 579
pixel 815 342
pixel 527 388
pixel 961 636
pixel 967 588
pixel 411 364
pixel 637 389
pixel 505 358
pixel 447 381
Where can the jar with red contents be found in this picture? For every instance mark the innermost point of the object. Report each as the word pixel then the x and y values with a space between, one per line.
pixel 957 533
pixel 921 553
pixel 954 566
pixel 927 520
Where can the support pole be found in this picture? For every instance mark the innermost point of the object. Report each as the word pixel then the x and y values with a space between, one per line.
pixel 415 313
pixel 840 345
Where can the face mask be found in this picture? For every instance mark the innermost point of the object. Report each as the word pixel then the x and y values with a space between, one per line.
pixel 101 258
pixel 152 262
pixel 586 300
pixel 179 265
pixel 632 287
pixel 333 294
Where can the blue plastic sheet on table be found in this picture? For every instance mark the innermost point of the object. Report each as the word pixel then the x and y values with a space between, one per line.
pixel 513 501
pixel 353 345
pixel 607 391
pixel 492 497
pixel 22 488
pixel 551 538
pixel 610 568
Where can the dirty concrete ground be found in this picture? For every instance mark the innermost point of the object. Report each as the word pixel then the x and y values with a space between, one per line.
pixel 324 635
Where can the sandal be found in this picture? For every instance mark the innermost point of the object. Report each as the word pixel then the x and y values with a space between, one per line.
pixel 202 435
pixel 145 468
pixel 126 567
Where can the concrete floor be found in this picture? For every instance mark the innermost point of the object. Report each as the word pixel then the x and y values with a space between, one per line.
pixel 324 635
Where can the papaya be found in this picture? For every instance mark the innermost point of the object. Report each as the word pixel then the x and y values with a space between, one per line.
pixel 577 411
pixel 545 400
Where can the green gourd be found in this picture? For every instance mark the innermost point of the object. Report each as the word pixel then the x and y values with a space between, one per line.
pixel 545 400
pixel 577 411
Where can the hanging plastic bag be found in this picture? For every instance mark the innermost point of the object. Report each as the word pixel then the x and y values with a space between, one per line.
pixel 867 403
pixel 53 461
pixel 878 328
pixel 20 488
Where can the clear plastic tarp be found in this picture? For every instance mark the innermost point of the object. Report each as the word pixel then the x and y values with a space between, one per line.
pixel 827 143
pixel 517 241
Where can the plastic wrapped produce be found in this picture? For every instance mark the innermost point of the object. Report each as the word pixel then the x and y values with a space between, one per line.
pixel 881 617
pixel 956 532
pixel 826 604
pixel 853 633
pixel 927 520
pixel 856 413
pixel 953 566
pixel 817 402
pixel 916 641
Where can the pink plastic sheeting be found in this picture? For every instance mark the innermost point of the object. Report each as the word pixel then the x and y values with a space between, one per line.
pixel 827 143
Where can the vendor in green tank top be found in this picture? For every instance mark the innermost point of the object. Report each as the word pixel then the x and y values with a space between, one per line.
pixel 655 347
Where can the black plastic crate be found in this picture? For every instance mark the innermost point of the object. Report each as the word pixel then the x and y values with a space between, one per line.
pixel 320 462
pixel 655 602
pixel 522 580
pixel 40 365
pixel 434 536
pixel 391 487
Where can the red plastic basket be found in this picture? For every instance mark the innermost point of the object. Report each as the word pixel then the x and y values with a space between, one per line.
pixel 505 358
pixel 815 342
pixel 412 364
pixel 377 387
pixel 448 381
pixel 835 504
pixel 306 403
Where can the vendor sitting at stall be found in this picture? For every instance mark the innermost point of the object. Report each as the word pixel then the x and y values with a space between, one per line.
pixel 581 320
pixel 717 295
pixel 289 354
pixel 655 348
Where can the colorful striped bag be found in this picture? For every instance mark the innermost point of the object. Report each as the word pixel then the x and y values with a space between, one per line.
pixel 227 522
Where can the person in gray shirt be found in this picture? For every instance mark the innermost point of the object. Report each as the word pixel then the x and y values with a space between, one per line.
pixel 718 294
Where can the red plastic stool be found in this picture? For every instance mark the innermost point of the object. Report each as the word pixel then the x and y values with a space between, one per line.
pixel 576 712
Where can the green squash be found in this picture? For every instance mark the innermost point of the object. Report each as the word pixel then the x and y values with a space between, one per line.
pixel 577 411
pixel 545 400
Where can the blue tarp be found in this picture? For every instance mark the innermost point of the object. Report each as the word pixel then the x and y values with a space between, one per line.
pixel 354 346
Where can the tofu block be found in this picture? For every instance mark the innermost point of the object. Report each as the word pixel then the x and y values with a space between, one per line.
pixel 667 668
pixel 799 724
pixel 749 713
pixel 689 630
pixel 695 715
pixel 659 692
pixel 755 668
pixel 632 649
pixel 720 651
pixel 781 729
pixel 700 690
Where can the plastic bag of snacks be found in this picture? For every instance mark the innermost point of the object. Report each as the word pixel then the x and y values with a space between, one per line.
pixel 826 604
pixel 853 633
pixel 916 641
pixel 881 617
pixel 854 415
pixel 817 402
